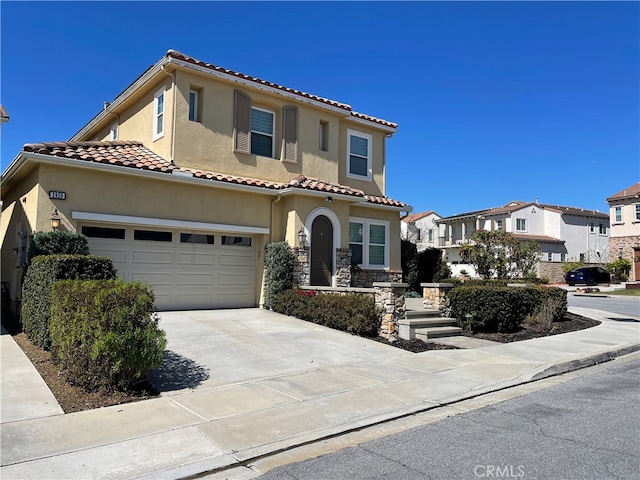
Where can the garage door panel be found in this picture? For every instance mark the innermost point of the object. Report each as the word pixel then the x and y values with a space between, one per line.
pixel 245 260
pixel 154 278
pixel 195 279
pixel 196 258
pixel 154 257
pixel 185 275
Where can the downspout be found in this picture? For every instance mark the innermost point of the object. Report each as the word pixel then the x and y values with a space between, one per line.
pixel 174 89
pixel 273 210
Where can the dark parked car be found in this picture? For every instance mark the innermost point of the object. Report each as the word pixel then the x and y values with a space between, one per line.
pixel 588 275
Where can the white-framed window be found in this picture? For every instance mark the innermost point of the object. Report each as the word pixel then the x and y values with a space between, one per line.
pixel 617 214
pixel 602 229
pixel 521 224
pixel 113 132
pixel 592 228
pixel 549 256
pixel 369 242
pixel 499 225
pixel 193 105
pixel 262 128
pixel 158 114
pixel 637 212
pixel 358 155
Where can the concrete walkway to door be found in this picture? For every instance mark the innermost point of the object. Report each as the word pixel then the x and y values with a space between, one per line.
pixel 238 385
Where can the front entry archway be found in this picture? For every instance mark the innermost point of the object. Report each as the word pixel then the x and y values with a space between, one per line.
pixel 321 252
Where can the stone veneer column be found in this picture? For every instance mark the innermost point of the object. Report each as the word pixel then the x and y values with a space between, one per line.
pixel 343 267
pixel 390 297
pixel 302 266
pixel 434 295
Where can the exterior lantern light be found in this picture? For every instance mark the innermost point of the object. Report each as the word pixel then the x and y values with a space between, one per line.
pixel 55 220
pixel 302 237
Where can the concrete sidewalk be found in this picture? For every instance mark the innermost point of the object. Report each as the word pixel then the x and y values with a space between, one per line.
pixel 223 423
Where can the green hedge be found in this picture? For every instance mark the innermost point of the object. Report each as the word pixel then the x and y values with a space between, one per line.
pixel 351 313
pixel 57 243
pixel 36 288
pixel 278 277
pixel 104 333
pixel 503 309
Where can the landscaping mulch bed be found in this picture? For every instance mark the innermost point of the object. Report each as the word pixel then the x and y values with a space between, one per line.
pixel 73 398
pixel 415 345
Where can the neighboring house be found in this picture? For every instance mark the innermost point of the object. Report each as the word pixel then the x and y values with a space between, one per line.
pixel 421 229
pixel 4 116
pixel 625 228
pixel 563 233
pixel 193 169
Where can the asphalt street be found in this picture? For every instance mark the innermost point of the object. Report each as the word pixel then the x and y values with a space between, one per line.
pixel 621 305
pixel 586 428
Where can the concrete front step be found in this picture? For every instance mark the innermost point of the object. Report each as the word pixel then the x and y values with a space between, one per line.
pixel 408 327
pixel 423 312
pixel 430 333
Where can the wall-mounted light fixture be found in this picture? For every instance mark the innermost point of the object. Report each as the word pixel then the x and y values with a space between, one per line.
pixel 302 237
pixel 329 199
pixel 55 220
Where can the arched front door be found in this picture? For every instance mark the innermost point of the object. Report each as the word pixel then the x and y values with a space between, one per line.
pixel 321 251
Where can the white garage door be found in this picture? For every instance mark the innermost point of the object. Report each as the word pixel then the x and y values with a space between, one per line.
pixel 187 269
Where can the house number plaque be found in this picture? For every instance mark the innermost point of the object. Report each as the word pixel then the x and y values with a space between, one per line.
pixel 57 195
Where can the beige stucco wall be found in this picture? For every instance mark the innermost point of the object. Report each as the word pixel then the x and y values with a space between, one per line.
pixel 629 225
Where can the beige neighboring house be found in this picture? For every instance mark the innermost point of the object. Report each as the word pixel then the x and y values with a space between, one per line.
pixel 625 228
pixel 193 169
pixel 421 229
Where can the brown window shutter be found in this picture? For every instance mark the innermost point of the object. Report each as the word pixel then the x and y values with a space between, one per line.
pixel 242 122
pixel 290 134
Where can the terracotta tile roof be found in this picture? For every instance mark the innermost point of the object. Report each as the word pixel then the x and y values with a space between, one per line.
pixel 414 217
pixel 628 192
pixel 333 103
pixel 134 154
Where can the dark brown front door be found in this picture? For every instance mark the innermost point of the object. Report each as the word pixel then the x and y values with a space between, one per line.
pixel 321 251
pixel 636 265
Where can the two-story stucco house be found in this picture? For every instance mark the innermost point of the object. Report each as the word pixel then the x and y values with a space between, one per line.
pixel 193 169
pixel 421 229
pixel 625 227
pixel 563 233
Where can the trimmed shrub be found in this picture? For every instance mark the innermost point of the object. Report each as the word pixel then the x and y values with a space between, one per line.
pixel 104 333
pixel 503 309
pixel 482 282
pixel 353 313
pixel 36 289
pixel 57 243
pixel 279 260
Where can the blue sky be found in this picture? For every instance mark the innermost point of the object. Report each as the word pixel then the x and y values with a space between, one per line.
pixel 495 101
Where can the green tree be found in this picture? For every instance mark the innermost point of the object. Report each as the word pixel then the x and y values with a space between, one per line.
pixel 499 254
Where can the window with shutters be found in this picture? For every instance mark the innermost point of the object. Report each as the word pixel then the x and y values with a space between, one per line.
pixel 262 128
pixel 158 112
pixel 358 155
pixel 242 122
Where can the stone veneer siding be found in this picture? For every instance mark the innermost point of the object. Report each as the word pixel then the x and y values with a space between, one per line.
pixel 628 244
pixel 302 266
pixel 361 278
pixel 434 295
pixel 343 267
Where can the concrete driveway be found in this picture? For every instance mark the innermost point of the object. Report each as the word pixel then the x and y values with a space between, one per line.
pixel 212 348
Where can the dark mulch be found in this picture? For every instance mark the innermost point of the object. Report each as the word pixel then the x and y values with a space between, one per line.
pixel 71 397
pixel 415 346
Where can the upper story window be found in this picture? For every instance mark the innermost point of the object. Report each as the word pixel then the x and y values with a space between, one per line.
pixel 430 235
pixel 499 225
pixel 592 228
pixel 637 212
pixel 158 114
pixel 194 111
pixel 358 155
pixel 113 132
pixel 262 128
pixel 617 212
pixel 521 224
pixel 602 229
